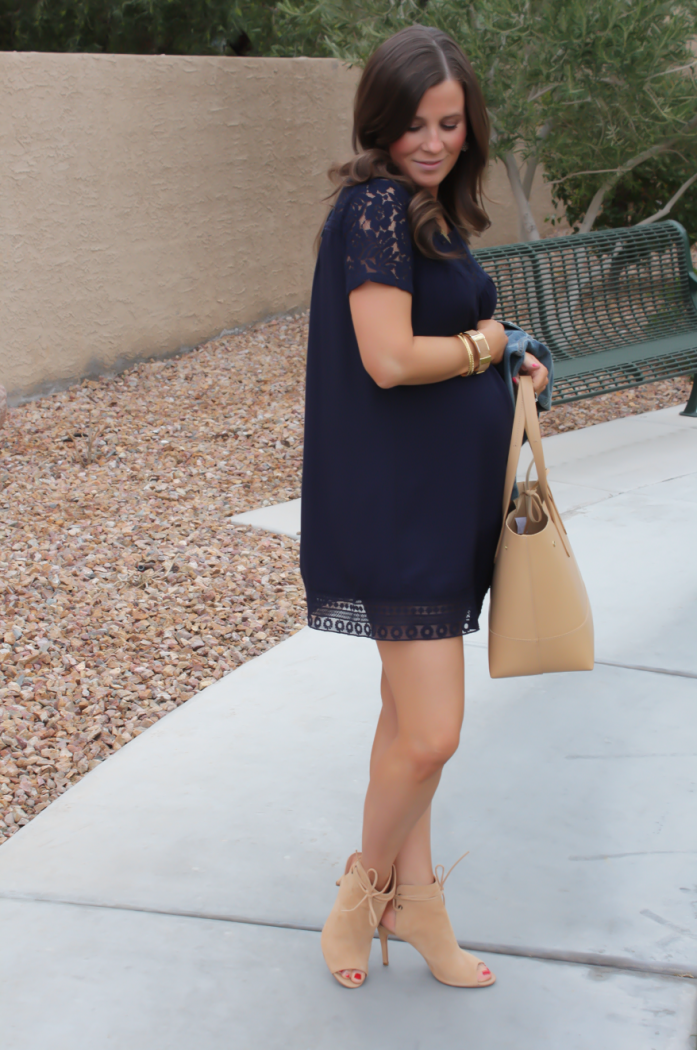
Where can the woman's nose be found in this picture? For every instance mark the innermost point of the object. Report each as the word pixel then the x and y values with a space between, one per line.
pixel 434 143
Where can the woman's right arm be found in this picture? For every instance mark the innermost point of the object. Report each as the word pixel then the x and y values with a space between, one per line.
pixel 393 356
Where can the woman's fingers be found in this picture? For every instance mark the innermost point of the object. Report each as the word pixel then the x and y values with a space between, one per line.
pixel 539 378
pixel 539 382
pixel 532 367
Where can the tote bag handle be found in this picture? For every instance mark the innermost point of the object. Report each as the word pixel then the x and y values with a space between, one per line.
pixel 525 421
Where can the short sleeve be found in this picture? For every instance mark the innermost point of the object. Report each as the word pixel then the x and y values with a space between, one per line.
pixel 378 240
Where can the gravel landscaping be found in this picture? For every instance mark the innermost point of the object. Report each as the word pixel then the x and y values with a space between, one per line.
pixel 599 409
pixel 124 586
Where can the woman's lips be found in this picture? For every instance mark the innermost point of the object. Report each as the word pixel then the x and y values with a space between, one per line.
pixel 430 165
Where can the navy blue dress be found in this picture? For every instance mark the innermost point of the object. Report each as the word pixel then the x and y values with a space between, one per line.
pixel 402 488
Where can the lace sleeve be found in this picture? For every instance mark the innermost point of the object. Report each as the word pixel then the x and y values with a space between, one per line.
pixel 378 241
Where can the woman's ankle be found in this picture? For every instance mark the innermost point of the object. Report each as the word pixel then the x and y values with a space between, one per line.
pixel 414 875
pixel 384 874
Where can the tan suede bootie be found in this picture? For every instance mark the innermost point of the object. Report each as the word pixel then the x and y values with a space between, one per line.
pixel 350 928
pixel 422 921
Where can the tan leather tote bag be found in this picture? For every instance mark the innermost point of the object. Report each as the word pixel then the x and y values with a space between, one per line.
pixel 540 618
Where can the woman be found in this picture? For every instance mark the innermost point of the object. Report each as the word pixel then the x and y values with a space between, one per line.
pixel 406 442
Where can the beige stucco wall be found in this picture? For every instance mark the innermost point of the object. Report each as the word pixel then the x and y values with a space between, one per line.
pixel 146 203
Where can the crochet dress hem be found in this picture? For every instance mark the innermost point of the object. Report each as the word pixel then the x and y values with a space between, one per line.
pixel 392 620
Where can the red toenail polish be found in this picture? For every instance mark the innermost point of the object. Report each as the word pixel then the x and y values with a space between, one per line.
pixel 357 976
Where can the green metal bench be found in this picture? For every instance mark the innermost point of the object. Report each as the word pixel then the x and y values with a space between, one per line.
pixel 617 308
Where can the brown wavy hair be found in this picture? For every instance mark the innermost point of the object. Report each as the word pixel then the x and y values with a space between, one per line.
pixel 393 83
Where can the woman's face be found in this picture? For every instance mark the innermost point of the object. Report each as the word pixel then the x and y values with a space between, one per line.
pixel 429 148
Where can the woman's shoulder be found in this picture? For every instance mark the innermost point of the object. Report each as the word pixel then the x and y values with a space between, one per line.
pixel 383 189
pixel 378 195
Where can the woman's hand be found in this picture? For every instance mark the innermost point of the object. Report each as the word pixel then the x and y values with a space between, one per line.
pixel 496 337
pixel 532 367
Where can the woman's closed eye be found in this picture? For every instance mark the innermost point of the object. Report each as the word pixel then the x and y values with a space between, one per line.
pixel 446 127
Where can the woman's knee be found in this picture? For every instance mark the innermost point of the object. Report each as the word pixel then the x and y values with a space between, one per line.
pixel 429 752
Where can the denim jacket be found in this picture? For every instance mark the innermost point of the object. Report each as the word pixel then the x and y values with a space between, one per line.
pixel 520 343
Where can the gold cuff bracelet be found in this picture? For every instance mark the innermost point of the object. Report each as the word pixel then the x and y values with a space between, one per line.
pixel 480 341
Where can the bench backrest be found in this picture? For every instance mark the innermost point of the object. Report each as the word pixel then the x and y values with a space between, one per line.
pixel 589 293
pixel 616 308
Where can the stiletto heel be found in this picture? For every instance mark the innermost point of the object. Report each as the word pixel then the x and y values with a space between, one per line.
pixel 383 935
pixel 348 932
pixel 422 921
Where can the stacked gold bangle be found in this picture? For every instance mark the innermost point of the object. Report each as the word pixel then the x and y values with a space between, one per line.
pixel 473 342
pixel 470 354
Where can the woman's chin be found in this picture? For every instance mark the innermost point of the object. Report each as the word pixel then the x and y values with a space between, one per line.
pixel 427 182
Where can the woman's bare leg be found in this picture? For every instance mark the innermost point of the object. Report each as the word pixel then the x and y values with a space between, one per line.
pixel 418 731
pixel 413 862
pixel 427 683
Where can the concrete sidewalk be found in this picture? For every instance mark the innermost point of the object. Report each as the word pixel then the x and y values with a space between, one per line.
pixel 172 898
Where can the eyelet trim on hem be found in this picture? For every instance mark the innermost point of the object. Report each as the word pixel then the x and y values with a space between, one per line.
pixel 391 621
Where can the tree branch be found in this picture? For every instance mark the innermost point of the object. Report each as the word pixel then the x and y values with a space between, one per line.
pixel 539 92
pixel 597 171
pixel 675 69
pixel 664 211
pixel 660 147
pixel 578 174
pixel 527 221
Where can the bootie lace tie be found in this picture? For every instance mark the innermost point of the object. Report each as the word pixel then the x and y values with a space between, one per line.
pixel 440 877
pixel 371 893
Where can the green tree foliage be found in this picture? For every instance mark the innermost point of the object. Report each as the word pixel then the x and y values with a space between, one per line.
pixel 172 27
pixel 598 86
pixel 631 98
pixel 640 194
pixel 346 29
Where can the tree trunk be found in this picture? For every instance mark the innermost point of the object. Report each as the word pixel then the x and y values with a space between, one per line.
pixel 529 177
pixel 528 226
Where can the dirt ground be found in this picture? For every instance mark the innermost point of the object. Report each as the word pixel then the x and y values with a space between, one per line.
pixel 124 586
